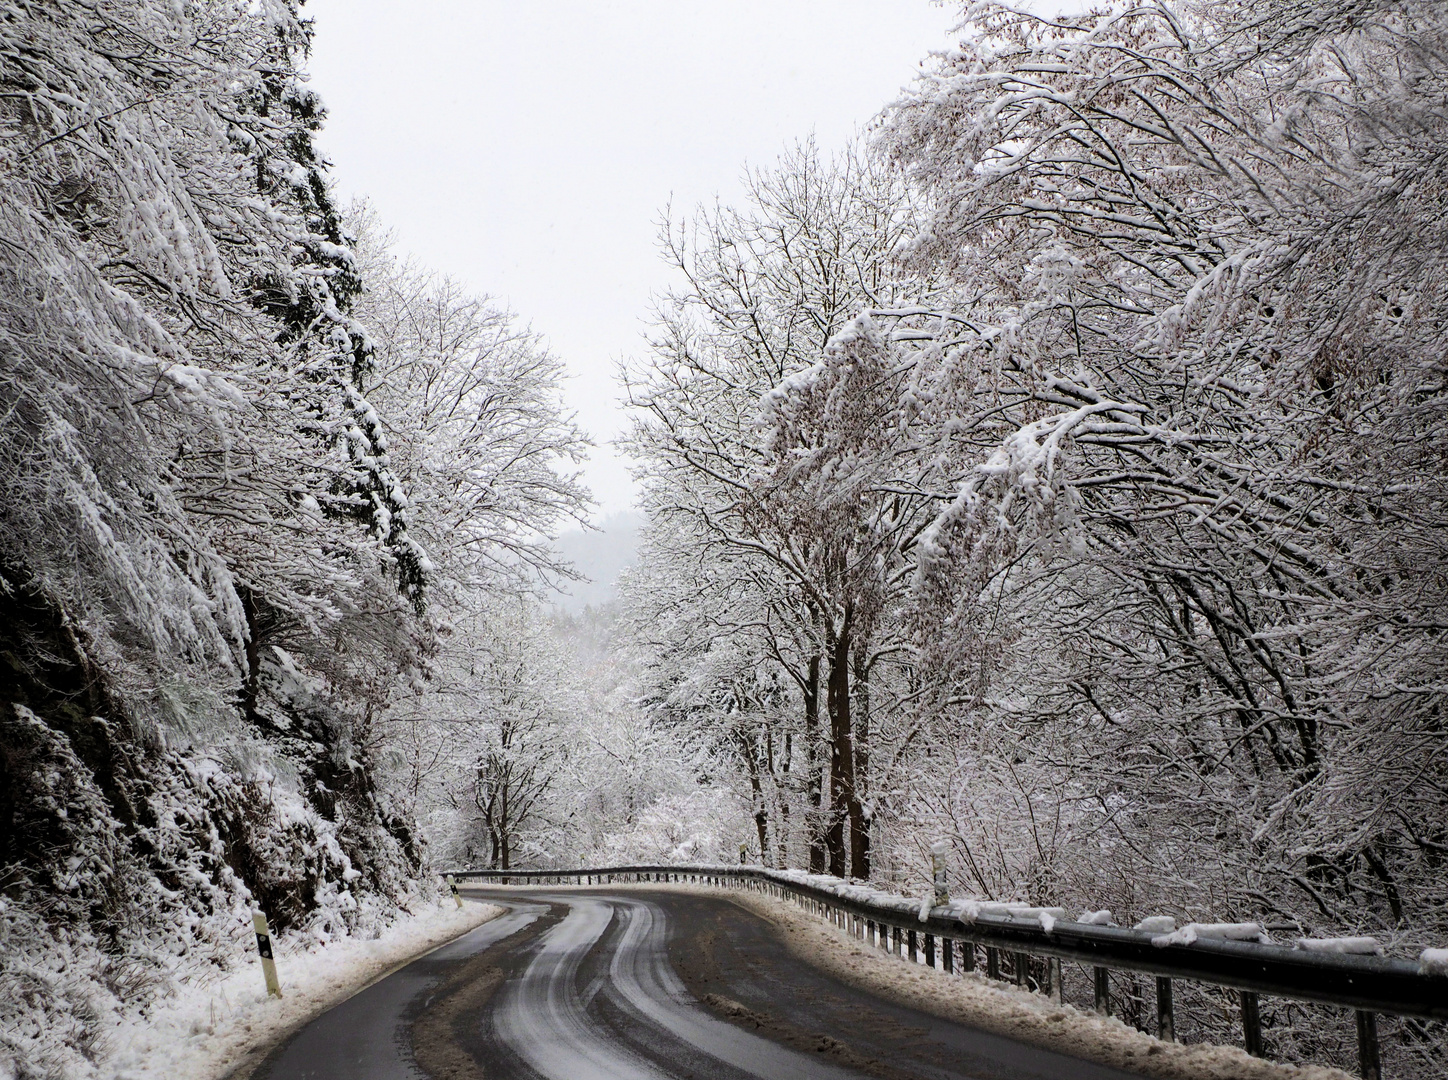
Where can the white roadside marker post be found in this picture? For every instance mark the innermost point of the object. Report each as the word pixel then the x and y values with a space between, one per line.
pixel 452 885
pixel 264 946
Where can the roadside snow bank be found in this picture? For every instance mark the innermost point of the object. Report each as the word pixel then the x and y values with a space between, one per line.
pixel 994 1006
pixel 208 1029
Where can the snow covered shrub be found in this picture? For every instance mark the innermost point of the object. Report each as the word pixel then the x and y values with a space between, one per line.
pixel 698 827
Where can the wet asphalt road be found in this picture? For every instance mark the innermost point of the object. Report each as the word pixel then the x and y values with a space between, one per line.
pixel 595 984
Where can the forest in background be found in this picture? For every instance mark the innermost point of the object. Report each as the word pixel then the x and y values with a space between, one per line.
pixel 1057 472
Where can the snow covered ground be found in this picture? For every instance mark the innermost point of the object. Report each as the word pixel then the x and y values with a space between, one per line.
pixel 206 1031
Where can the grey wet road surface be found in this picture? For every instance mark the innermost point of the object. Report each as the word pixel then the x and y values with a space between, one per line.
pixel 601 984
pixel 368 1036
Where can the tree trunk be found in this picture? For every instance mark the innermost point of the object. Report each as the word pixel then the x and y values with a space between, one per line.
pixel 859 820
pixel 251 683
pixel 503 823
pixel 749 745
pixel 843 804
pixel 781 834
pixel 812 767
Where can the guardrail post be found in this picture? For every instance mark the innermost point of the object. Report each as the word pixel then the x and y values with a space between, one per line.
pixel 1022 964
pixel 1053 978
pixel 948 949
pixel 992 962
pixel 1367 1031
pixel 1165 1014
pixel 912 946
pixel 967 956
pixel 896 944
pixel 1251 1023
pixel 1103 991
pixel 930 950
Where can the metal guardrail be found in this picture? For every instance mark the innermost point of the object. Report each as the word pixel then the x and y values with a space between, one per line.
pixel 1368 985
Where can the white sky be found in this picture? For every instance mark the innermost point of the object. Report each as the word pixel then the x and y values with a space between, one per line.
pixel 528 148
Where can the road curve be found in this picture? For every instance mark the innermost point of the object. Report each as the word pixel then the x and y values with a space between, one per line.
pixel 602 984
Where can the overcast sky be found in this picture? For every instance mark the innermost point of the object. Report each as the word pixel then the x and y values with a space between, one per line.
pixel 529 148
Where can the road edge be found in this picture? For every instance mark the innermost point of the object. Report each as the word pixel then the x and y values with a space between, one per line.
pixel 1005 1010
pixel 256 1054
pixel 991 1006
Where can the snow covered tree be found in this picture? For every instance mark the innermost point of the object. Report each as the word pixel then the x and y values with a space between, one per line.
pixel 207 580
pixel 1197 419
pixel 749 433
pixel 475 423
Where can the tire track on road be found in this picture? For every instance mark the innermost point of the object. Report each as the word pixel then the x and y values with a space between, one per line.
pixel 610 984
pixel 543 1017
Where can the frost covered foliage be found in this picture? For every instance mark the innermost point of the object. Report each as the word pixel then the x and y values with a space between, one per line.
pixel 132 861
pixel 1210 399
pixel 1128 478
pixel 207 575
pixel 237 527
pixel 1202 410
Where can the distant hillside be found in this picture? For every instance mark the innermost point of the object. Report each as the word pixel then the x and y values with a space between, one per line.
pixel 600 555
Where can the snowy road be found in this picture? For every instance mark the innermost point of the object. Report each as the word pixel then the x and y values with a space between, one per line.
pixel 595 984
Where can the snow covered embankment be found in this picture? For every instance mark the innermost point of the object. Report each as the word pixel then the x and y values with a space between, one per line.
pixel 206 1031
